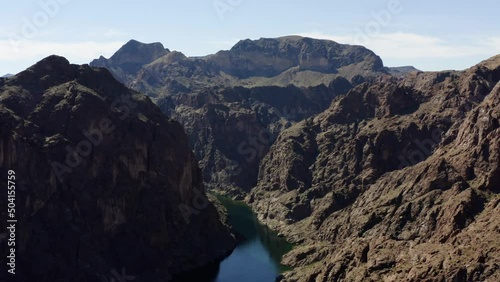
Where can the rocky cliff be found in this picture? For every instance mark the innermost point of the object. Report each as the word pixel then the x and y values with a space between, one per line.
pixel 231 129
pixel 270 57
pixel 264 62
pixel 234 103
pixel 105 183
pixel 396 181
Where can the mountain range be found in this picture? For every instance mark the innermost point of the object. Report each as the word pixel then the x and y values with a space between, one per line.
pixel 157 71
pixel 374 173
pixel 289 79
pixel 392 180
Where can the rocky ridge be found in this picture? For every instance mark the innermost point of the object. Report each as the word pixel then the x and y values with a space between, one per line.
pixel 396 181
pixel 101 176
pixel 280 61
pixel 234 103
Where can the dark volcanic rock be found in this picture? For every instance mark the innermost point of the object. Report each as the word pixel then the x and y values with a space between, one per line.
pixel 396 181
pixel 232 129
pixel 113 205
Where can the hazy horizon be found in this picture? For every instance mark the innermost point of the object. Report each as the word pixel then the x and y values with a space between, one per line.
pixel 427 35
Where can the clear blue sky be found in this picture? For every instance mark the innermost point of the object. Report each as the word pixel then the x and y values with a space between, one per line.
pixel 431 35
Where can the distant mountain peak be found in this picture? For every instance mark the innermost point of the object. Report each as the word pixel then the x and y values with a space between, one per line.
pixel 53 61
pixel 402 71
pixel 132 56
pixel 52 70
pixel 267 57
pixel 132 43
pixel 144 48
pixel 295 37
pixel 291 59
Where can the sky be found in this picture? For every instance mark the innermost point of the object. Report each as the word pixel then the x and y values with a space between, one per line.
pixel 430 35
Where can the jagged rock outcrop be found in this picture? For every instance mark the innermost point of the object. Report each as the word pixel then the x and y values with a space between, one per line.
pixel 396 181
pixel 232 129
pixel 103 178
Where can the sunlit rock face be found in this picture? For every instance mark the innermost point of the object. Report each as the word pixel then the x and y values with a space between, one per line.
pixel 395 181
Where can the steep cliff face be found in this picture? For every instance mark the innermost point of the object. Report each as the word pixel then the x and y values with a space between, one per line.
pixel 105 182
pixel 231 129
pixel 269 57
pixel 396 181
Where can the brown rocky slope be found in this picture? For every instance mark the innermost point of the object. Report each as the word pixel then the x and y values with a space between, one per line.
pixel 231 129
pixel 114 204
pixel 396 181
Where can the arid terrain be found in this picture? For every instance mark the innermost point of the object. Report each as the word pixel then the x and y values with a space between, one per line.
pixel 396 180
pixel 373 173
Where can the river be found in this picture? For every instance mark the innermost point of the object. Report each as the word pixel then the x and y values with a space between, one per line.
pixel 256 258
